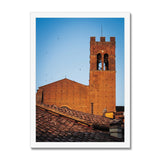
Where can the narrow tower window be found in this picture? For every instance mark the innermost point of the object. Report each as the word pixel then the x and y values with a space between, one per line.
pixel 42 98
pixel 106 63
pixel 99 61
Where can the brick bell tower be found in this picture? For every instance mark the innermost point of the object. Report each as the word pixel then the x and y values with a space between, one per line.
pixel 102 83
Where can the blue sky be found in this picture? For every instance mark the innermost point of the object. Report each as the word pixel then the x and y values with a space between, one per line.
pixel 62 49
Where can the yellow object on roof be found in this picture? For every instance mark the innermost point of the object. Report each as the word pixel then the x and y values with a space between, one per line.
pixel 109 114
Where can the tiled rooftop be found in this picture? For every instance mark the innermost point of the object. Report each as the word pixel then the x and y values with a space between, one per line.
pixel 54 124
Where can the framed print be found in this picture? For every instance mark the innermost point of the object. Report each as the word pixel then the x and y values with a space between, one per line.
pixel 80 80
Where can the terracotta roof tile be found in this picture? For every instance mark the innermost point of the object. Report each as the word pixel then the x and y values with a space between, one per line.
pixel 52 127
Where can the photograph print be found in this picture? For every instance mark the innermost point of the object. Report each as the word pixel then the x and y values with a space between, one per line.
pixel 80 76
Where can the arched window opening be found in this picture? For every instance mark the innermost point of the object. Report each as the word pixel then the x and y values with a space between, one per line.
pixel 106 63
pixel 99 61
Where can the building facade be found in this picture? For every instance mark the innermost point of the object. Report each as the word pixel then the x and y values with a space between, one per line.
pixel 97 98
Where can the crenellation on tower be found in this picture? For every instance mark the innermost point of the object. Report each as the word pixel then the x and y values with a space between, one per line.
pixel 102 39
pixel 112 39
pixel 92 39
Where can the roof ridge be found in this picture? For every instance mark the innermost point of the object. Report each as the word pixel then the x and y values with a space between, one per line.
pixel 95 121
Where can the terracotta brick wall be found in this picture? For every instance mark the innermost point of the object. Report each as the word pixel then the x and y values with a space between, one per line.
pixel 66 93
pixel 39 96
pixel 102 82
pixel 102 91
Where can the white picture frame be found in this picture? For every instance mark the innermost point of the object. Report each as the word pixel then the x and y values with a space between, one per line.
pixel 127 134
